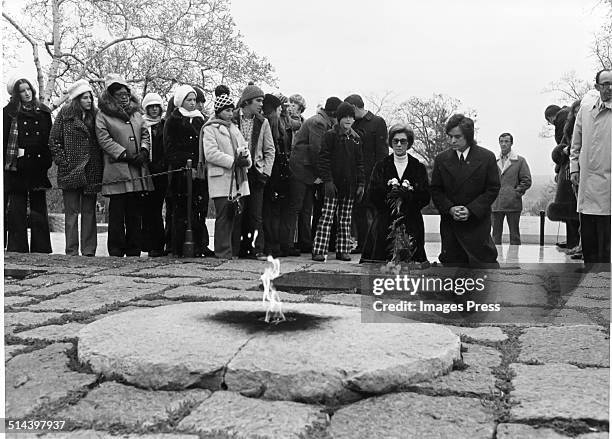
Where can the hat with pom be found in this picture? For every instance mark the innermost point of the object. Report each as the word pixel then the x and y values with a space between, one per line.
pixel 251 91
pixel 223 102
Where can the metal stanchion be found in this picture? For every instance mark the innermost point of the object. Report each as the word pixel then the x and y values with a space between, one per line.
pixel 542 218
pixel 188 244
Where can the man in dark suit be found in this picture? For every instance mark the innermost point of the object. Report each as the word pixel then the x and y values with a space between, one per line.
pixel 464 184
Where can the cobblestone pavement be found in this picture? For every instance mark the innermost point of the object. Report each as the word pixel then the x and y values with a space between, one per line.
pixel 515 381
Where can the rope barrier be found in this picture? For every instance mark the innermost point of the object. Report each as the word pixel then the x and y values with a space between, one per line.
pixel 125 180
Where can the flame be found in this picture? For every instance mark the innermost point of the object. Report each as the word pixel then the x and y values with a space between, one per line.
pixel 274 313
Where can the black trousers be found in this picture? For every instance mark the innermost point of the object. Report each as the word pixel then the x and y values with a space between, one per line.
pixel 363 216
pixel 275 214
pixel 298 217
pixel 252 219
pixel 16 205
pixel 595 233
pixel 125 224
pixel 152 220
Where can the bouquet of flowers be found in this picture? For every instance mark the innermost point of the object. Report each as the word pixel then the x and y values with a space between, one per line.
pixel 402 243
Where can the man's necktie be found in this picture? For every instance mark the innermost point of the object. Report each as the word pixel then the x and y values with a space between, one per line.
pixel 461 160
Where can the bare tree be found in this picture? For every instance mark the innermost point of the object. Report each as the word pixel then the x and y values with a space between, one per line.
pixel 569 88
pixel 382 105
pixel 428 117
pixel 153 43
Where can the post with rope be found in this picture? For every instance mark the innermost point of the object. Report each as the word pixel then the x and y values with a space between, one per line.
pixel 188 244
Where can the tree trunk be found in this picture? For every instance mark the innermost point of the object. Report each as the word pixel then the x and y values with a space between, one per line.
pixel 57 53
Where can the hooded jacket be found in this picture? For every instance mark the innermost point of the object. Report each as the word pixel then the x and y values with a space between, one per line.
pixel 118 131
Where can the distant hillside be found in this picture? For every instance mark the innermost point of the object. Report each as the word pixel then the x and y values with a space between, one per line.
pixel 541 192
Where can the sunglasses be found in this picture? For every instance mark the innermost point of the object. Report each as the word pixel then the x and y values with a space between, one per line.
pixel 402 142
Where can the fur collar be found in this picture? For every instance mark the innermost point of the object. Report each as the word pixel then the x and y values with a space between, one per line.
pixel 109 106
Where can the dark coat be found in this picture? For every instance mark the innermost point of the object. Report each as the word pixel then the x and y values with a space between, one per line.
pixel 76 152
pixel 307 140
pixel 563 208
pixel 373 132
pixel 182 139
pixel 34 128
pixel 474 185
pixel 341 161
pixel 377 245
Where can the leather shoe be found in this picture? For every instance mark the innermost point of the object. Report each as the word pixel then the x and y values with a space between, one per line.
pixel 356 251
pixel 318 258
pixel 208 253
pixel 343 256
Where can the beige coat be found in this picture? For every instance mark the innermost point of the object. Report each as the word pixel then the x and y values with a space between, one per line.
pixel 115 135
pixel 219 155
pixel 590 154
pixel 515 179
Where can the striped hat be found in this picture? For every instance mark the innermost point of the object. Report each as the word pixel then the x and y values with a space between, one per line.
pixel 223 102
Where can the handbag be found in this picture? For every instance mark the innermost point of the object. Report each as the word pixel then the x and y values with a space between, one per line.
pixel 200 172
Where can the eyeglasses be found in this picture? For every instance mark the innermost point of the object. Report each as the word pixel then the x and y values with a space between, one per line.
pixel 402 142
pixel 606 85
pixel 121 95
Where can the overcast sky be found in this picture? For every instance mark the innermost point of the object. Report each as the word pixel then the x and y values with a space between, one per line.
pixel 495 56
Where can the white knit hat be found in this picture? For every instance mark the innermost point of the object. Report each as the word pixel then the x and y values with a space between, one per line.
pixel 181 93
pixel 113 78
pixel 78 88
pixel 152 99
pixel 10 84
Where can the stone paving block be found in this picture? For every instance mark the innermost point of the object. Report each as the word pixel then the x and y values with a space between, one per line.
pixel 590 281
pixel 342 299
pixel 45 280
pixel 52 332
pixel 588 298
pixel 95 297
pixel 228 414
pixel 39 378
pixel 522 431
pixel 16 301
pixel 117 404
pixel 477 378
pixel 10 289
pixel 333 266
pixel 9 351
pixel 53 290
pixel 483 333
pixel 174 281
pixel 582 345
pixel 236 284
pixel 204 293
pixel 12 320
pixel 190 269
pixel 154 303
pixel 255 266
pixel 93 434
pixel 560 391
pixel 410 415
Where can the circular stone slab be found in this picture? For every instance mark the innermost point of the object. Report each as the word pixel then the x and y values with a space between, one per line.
pixel 325 355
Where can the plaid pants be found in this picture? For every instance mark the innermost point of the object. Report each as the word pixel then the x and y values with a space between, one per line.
pixel 343 208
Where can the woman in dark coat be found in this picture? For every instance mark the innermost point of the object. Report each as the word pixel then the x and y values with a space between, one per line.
pixel 78 157
pixel 181 139
pixel 27 124
pixel 378 246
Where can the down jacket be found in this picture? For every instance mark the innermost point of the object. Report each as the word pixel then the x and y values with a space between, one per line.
pixel 76 152
pixel 118 131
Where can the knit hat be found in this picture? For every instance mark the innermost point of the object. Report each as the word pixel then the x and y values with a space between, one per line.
pixel 332 104
pixel 223 102
pixel 181 93
pixel 152 99
pixel 78 88
pixel 200 97
pixel 345 110
pixel 251 91
pixel 355 100
pixel 270 103
pixel 115 78
pixel 10 84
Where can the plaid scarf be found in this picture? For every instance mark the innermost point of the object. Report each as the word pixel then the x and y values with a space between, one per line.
pixel 10 159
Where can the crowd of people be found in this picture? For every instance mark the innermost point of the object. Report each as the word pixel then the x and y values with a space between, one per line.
pixel 282 185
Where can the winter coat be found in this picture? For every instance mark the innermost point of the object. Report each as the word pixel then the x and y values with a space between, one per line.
pixel 563 208
pixel 219 153
pixel 590 154
pixel 307 140
pixel 262 144
pixel 515 179
pixel 158 154
pixel 474 185
pixel 341 161
pixel 377 245
pixel 181 139
pixel 34 128
pixel 76 152
pixel 373 132
pixel 119 131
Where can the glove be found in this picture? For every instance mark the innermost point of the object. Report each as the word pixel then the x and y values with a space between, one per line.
pixel 141 158
pixel 262 178
pixel 241 162
pixel 359 194
pixel 127 157
pixel 330 189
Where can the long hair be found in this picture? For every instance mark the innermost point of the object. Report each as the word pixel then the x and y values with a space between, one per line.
pixel 15 96
pixel 88 116
pixel 465 124
pixel 568 128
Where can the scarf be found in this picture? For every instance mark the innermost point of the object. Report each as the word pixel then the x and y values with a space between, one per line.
pixel 191 114
pixel 12 149
pixel 150 121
